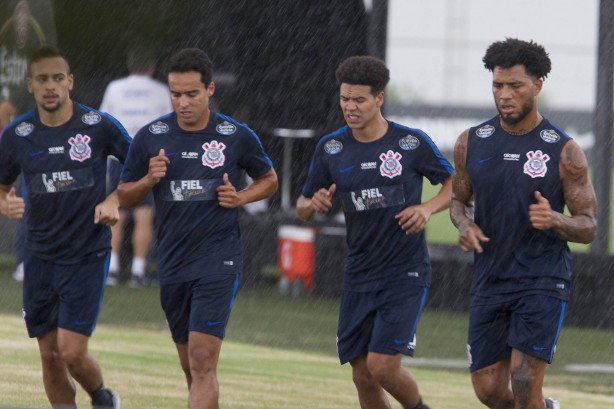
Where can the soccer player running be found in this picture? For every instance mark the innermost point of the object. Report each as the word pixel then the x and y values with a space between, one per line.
pixel 520 170
pixel 376 167
pixel 61 148
pixel 192 159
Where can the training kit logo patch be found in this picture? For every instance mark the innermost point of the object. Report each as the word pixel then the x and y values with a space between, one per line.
pixel 485 131
pixel 24 129
pixel 535 166
pixel 549 135
pixel 391 165
pixel 333 147
pixel 226 128
pixel 79 147
pixel 213 156
pixel 91 118
pixel 158 128
pixel 409 143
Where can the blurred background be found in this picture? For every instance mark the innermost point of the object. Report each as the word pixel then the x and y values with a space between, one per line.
pixel 274 65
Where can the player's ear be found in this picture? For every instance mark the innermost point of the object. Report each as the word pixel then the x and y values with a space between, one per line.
pixel 379 98
pixel 538 86
pixel 211 89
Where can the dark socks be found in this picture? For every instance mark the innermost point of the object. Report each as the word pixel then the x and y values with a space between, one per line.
pixel 101 397
pixel 421 405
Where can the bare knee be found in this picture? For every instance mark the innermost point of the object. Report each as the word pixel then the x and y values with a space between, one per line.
pixel 361 376
pixel 527 374
pixel 185 367
pixel 201 361
pixel 522 380
pixel 493 398
pixel 72 356
pixel 203 355
pixel 50 357
pixel 383 367
pixel 492 388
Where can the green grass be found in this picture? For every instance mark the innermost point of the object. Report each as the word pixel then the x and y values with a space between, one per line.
pixel 279 353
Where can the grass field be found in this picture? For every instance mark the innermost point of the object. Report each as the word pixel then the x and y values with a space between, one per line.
pixel 279 353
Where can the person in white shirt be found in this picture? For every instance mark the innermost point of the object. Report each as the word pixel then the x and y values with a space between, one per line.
pixel 134 100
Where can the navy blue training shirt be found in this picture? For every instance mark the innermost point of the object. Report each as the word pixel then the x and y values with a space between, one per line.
pixel 65 169
pixel 505 172
pixel 195 236
pixel 375 181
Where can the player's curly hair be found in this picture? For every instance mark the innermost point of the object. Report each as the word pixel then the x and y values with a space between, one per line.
pixel 364 70
pixel 192 59
pixel 511 52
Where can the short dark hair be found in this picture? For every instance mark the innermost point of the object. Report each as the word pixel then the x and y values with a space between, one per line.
pixel 192 59
pixel 140 59
pixel 364 70
pixel 511 52
pixel 44 52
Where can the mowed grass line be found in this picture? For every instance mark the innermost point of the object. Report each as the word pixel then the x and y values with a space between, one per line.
pixel 279 353
pixel 141 364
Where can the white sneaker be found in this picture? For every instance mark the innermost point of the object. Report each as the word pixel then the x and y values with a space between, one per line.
pixel 18 273
pixel 112 278
pixel 117 400
pixel 137 282
pixel 552 404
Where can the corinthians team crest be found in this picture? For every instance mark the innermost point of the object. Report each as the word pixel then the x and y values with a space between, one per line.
pixel 79 147
pixel 535 166
pixel 213 156
pixel 391 165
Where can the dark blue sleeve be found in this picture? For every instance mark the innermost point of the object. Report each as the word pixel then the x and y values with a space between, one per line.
pixel 119 140
pixel 254 159
pixel 137 161
pixel 434 166
pixel 9 168
pixel 318 176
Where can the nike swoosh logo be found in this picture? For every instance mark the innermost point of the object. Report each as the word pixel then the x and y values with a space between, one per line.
pixel 170 153
pixel 213 323
pixel 399 341
pixel 34 154
pixel 485 159
pixel 536 348
pixel 345 170
pixel 81 323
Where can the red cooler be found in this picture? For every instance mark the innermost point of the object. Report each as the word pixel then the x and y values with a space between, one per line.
pixel 296 253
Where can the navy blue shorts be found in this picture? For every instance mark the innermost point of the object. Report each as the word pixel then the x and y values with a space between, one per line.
pixel 382 321
pixel 63 296
pixel 530 324
pixel 201 305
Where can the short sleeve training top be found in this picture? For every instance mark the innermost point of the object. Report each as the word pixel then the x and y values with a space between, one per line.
pixel 375 181
pixel 64 169
pixel 195 236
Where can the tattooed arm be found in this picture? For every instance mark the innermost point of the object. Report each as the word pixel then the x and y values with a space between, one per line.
pixel 471 236
pixel 580 199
